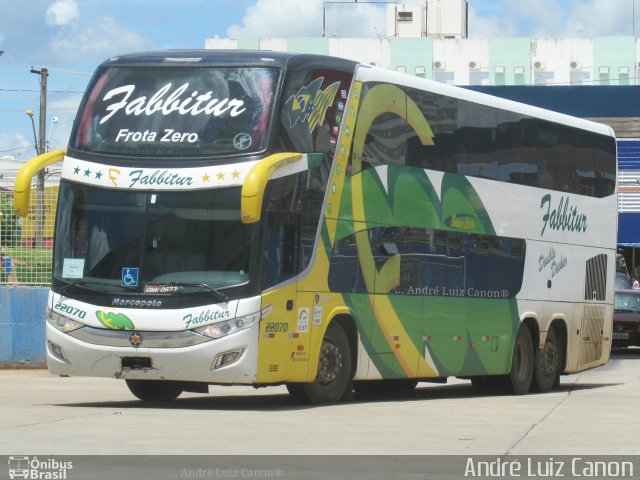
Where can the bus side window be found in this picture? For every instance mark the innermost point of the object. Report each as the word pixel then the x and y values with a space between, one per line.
pixel 279 261
pixel 604 151
pixel 584 161
pixel 386 141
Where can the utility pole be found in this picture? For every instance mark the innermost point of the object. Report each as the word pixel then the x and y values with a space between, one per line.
pixel 44 73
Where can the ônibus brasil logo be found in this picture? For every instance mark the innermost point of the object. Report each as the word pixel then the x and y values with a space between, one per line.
pixel 34 468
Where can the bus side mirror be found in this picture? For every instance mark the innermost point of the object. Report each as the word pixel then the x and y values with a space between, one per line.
pixel 22 187
pixel 256 182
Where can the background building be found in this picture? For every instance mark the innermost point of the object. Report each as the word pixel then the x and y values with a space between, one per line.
pixel 464 61
pixel 594 78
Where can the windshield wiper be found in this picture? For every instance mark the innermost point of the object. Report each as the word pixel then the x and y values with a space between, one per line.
pixel 206 286
pixel 83 282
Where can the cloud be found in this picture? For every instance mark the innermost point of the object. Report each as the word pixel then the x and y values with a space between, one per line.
pixel 599 18
pixel 550 18
pixel 488 25
pixel 62 12
pixel 55 32
pixel 10 144
pixel 97 38
pixel 295 18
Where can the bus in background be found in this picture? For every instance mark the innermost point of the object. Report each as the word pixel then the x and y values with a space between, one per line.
pixel 265 218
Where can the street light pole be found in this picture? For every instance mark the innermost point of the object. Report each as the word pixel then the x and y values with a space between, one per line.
pixel 33 125
pixel 54 122
pixel 44 74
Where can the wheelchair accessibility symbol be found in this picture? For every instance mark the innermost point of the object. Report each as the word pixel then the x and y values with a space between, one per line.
pixel 130 277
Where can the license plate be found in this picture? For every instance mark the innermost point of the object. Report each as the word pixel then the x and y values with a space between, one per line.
pixel 621 336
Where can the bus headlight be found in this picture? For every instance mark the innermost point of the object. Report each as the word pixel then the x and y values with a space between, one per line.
pixel 64 324
pixel 221 329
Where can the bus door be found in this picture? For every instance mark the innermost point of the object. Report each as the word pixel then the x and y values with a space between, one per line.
pixel 280 330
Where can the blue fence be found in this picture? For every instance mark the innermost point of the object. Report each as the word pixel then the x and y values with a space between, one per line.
pixel 22 325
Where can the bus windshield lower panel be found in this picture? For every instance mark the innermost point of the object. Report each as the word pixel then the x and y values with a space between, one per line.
pixel 115 241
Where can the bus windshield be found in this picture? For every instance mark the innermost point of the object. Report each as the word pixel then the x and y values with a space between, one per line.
pixel 160 238
pixel 176 112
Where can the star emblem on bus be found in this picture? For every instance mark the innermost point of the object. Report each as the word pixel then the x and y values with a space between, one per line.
pixel 135 339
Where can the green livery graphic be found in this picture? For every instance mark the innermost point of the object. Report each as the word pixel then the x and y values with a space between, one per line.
pixel 418 261
pixel 115 321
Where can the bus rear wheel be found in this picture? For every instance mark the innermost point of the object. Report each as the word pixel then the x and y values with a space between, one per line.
pixel 548 361
pixel 518 381
pixel 155 390
pixel 334 377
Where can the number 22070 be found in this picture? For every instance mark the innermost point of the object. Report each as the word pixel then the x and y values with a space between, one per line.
pixel 73 311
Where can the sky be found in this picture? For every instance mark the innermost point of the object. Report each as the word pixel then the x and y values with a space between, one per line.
pixel 71 37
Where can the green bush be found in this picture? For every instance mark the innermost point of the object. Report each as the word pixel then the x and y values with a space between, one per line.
pixel 36 271
pixel 9 226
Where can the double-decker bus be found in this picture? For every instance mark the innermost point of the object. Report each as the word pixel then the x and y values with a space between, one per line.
pixel 262 218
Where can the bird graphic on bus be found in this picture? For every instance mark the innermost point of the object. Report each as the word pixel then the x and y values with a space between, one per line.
pixel 310 104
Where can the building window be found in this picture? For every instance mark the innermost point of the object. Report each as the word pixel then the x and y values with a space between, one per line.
pixel 405 17
pixel 443 76
pixel 518 76
pixel 603 78
pixel 478 77
pixel 579 77
pixel 420 72
pixel 623 76
pixel 401 69
pixel 499 76
pixel 542 78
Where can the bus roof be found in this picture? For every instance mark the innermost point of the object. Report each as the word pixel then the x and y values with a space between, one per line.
pixel 236 58
pixel 369 73
pixel 266 58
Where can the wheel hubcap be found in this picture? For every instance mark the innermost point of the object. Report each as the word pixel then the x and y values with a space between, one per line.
pixel 330 363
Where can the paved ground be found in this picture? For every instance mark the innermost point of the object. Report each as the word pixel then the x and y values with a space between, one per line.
pixel 595 412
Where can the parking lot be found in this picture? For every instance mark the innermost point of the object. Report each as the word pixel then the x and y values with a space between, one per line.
pixel 594 412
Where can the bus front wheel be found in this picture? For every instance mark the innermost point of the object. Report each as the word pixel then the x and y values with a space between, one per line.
pixel 334 377
pixel 155 390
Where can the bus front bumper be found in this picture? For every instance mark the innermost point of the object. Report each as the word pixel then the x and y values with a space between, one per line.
pixel 227 360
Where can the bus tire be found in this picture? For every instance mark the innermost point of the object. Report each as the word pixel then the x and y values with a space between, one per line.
pixel 334 377
pixel 155 390
pixel 547 364
pixel 518 381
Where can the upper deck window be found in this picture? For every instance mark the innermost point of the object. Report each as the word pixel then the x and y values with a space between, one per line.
pixel 176 112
